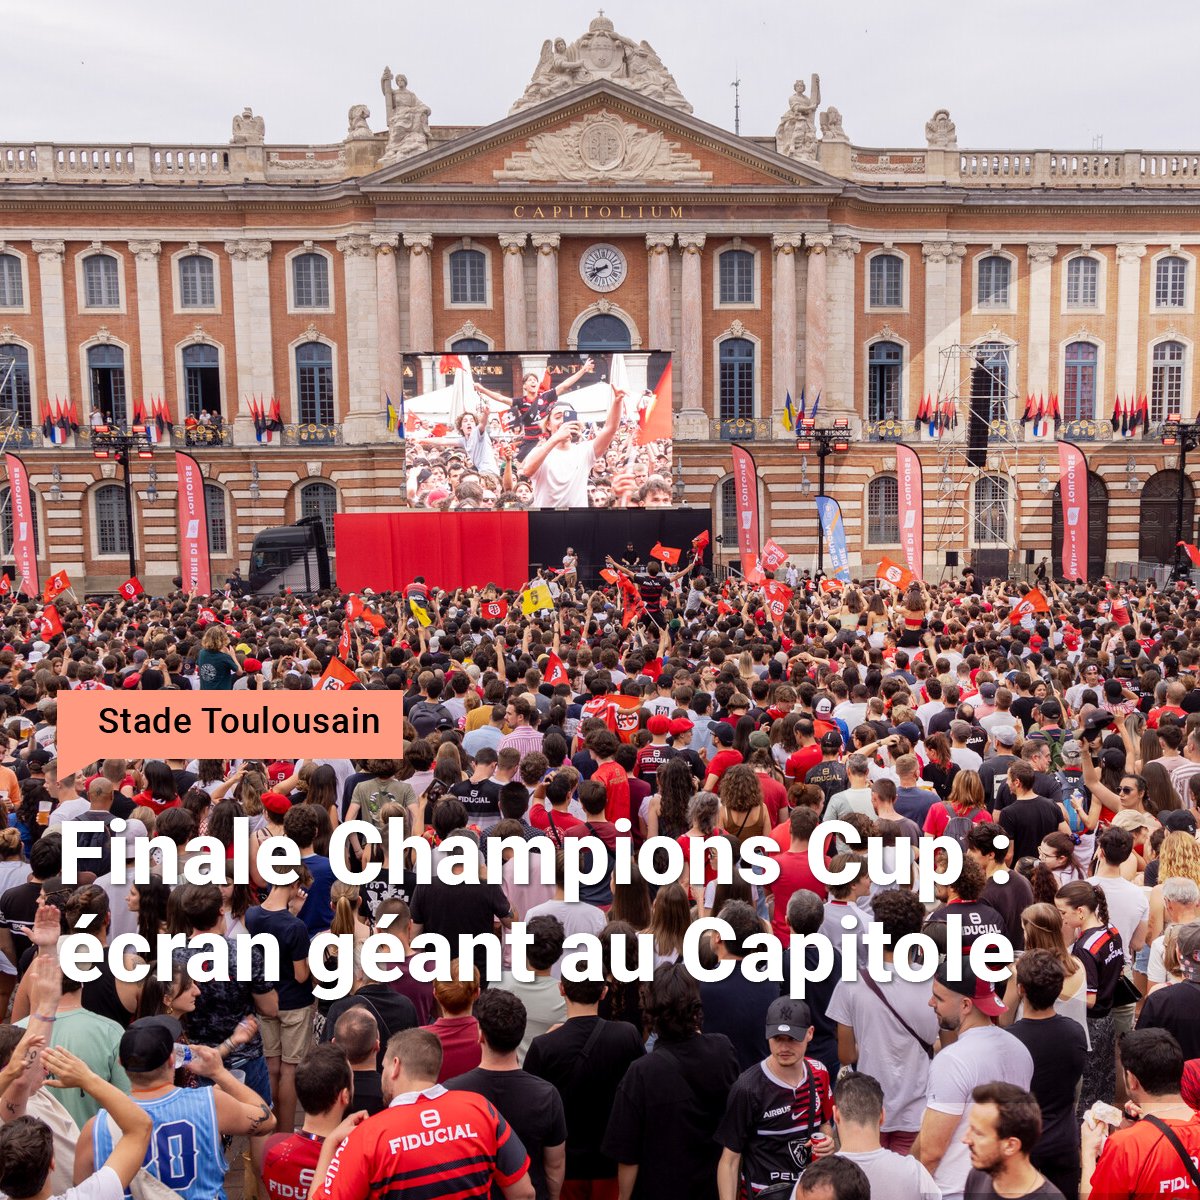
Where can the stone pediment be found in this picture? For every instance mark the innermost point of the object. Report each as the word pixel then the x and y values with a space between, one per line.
pixel 602 147
pixel 601 134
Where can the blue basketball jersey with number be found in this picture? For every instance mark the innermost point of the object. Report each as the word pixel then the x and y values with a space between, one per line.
pixel 185 1147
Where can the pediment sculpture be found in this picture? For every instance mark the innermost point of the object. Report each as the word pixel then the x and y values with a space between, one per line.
pixel 407 119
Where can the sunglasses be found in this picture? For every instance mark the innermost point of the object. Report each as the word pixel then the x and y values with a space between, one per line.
pixel 1127 791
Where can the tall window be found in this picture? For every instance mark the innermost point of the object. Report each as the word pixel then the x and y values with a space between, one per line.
pixel 884 364
pixel 736 273
pixel 883 511
pixel 1170 282
pixel 101 283
pixel 468 277
pixel 112 529
pixel 887 281
pixel 991 510
pixel 11 292
pixel 604 333
pixel 202 380
pixel 218 522
pixel 995 357
pixel 14 384
pixel 310 281
pixel 729 518
pixel 994 274
pixel 1166 380
pixel 320 500
pixel 196 286
pixel 6 521
pixel 1083 278
pixel 314 383
pixel 106 369
pixel 736 358
pixel 469 345
pixel 1079 382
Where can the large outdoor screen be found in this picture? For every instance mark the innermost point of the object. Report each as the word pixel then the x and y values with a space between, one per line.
pixel 512 431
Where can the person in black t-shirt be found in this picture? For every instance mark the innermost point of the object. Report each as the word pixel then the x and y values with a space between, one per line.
pixel 670 1102
pixel 1010 898
pixel 961 900
pixel 1029 817
pixel 585 1058
pixel 480 795
pixel 530 1105
pixel 829 774
pixel 356 1034
pixel 1177 1008
pixel 1058 1047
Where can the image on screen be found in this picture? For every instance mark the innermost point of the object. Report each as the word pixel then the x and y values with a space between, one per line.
pixel 511 431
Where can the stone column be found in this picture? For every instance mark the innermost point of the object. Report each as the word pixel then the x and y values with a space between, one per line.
pixel 516 326
pixel 1129 274
pixel 1041 256
pixel 54 325
pixel 955 253
pixel 387 318
pixel 783 324
pixel 839 367
pixel 933 254
pixel 692 421
pixel 252 332
pixel 658 248
pixel 546 245
pixel 149 313
pixel 363 419
pixel 816 314
pixel 420 292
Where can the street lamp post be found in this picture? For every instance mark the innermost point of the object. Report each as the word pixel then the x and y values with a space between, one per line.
pixel 825 441
pixel 119 444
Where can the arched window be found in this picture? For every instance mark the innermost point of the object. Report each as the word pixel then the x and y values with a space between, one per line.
pixel 6 521
pixel 736 383
pixel 729 512
pixel 1170 282
pixel 12 294
pixel 106 370
pixel 196 286
pixel 112 528
pixel 14 383
pixel 468 277
pixel 202 380
pixel 885 362
pixel 887 281
pixel 218 521
pixel 1166 380
pixel 314 383
pixel 604 333
pixel 736 272
pixel 101 282
pixel 883 511
pixel 991 510
pixel 994 274
pixel 319 499
pixel 1083 278
pixel 470 345
pixel 1079 381
pixel 310 281
pixel 996 361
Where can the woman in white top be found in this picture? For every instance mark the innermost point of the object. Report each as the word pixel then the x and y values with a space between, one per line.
pixel 1043 928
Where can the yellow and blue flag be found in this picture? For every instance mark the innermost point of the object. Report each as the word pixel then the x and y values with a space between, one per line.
pixel 392 416
pixel 789 413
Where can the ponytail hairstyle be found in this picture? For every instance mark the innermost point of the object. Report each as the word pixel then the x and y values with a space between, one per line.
pixel 1044 884
pixel 1082 894
pixel 344 897
pixel 88 900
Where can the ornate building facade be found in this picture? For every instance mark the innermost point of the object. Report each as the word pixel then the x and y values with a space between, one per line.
pixel 801 263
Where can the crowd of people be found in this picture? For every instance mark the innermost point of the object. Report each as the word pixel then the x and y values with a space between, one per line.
pixel 1060 750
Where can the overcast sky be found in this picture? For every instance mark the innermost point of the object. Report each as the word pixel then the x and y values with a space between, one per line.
pixel 1025 73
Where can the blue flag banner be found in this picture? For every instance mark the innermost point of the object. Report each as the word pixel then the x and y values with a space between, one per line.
pixel 833 530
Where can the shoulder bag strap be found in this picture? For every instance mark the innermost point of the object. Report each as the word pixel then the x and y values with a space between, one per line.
pixel 586 1051
pixel 1178 1147
pixel 875 988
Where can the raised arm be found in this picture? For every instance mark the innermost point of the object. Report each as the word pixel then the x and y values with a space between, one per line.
pixel 605 436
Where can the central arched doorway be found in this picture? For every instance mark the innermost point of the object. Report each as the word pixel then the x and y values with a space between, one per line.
pixel 1157 517
pixel 604 333
pixel 1097 544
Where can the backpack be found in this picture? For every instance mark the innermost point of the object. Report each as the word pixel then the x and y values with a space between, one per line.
pixel 1056 745
pixel 425 717
pixel 958 828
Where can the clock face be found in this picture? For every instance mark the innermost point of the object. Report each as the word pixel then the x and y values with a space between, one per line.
pixel 602 267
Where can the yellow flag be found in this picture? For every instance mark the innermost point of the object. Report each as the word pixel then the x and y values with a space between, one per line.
pixel 536 597
pixel 420 613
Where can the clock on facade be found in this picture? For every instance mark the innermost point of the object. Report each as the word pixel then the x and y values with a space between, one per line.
pixel 602 267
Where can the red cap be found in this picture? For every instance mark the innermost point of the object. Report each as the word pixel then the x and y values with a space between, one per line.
pixel 680 725
pixel 251 664
pixel 131 681
pixel 659 725
pixel 275 802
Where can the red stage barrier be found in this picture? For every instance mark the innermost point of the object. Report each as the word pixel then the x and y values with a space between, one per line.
pixel 384 551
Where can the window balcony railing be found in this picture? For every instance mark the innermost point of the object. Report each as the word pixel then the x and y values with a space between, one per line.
pixel 310 433
pixel 742 429
pixel 1086 431
pixel 889 430
pixel 202 435
pixel 21 437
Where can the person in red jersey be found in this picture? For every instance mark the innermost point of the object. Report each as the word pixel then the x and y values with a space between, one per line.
pixel 324 1087
pixel 428 1142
